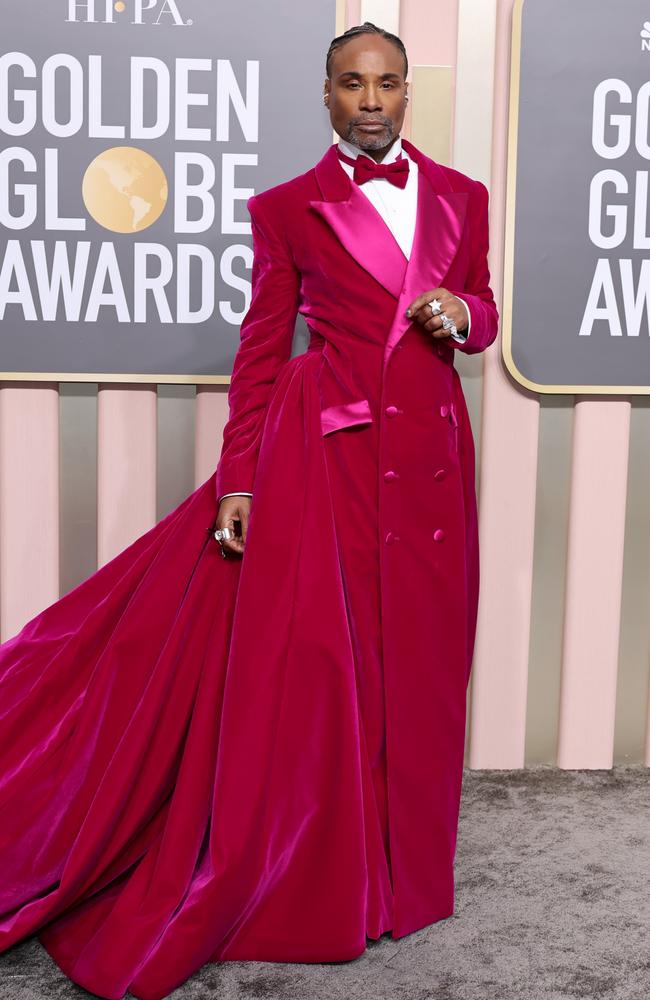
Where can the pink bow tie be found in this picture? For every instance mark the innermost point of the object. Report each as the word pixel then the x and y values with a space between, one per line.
pixel 366 169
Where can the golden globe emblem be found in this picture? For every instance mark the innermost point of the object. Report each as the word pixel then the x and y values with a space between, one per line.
pixel 124 189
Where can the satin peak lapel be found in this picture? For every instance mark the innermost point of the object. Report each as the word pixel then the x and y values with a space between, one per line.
pixel 441 214
pixel 358 225
pixel 439 226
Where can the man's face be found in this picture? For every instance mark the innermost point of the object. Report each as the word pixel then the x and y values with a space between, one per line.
pixel 367 86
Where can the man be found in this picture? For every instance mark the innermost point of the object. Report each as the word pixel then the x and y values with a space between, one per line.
pixel 384 253
pixel 260 758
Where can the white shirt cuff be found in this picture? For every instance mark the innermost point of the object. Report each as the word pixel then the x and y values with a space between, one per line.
pixel 462 337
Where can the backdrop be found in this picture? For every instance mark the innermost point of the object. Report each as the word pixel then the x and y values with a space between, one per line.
pixel 561 665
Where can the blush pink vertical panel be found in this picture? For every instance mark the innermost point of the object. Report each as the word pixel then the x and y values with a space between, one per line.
pixel 508 477
pixel 126 465
pixel 429 33
pixel 428 44
pixel 352 14
pixel 601 431
pixel 211 417
pixel 29 502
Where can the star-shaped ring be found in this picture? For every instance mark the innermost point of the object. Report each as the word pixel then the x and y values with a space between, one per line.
pixel 435 305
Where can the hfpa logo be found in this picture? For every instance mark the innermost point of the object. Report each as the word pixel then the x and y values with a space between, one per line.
pixel 645 37
pixel 144 12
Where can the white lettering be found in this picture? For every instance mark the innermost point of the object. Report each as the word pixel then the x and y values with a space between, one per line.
pixel 54 289
pixel 64 82
pixel 602 283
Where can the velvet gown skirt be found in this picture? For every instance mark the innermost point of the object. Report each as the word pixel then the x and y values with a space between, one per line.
pixel 192 748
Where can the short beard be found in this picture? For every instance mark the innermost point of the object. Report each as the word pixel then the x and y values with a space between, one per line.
pixel 371 140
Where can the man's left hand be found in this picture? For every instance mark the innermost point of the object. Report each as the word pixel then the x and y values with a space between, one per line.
pixel 452 307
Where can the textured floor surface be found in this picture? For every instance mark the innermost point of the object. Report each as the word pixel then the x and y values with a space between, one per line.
pixel 552 903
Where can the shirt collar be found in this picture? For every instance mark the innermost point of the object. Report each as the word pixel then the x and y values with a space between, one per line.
pixel 351 150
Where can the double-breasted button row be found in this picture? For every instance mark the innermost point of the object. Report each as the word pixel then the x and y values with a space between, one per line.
pixel 390 475
pixel 439 475
pixel 391 537
pixel 449 411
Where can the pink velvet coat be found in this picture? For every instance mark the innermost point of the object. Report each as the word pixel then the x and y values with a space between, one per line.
pixel 261 758
pixel 384 421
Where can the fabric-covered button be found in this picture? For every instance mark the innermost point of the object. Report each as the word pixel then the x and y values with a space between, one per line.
pixel 444 410
pixel 391 411
pixel 391 537
pixel 440 474
pixel 438 535
pixel 390 475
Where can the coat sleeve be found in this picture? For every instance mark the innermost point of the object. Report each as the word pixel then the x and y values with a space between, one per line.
pixel 266 338
pixel 477 293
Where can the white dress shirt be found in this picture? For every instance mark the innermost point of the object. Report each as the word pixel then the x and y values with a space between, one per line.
pixel 397 207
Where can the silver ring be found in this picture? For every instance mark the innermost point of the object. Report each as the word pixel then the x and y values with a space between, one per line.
pixel 435 306
pixel 448 324
pixel 222 533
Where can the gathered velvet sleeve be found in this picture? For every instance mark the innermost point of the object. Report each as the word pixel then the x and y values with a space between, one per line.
pixel 476 293
pixel 266 338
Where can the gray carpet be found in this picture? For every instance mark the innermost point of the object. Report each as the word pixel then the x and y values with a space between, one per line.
pixel 553 903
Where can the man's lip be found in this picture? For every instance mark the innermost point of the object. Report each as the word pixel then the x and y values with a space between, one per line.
pixel 370 125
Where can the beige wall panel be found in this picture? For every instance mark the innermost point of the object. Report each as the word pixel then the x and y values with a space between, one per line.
pixel 431 111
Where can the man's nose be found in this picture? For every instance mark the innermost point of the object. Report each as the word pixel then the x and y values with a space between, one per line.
pixel 371 99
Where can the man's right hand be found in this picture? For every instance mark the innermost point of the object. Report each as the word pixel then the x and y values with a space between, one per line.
pixel 234 513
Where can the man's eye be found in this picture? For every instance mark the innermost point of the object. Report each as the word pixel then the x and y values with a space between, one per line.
pixel 386 83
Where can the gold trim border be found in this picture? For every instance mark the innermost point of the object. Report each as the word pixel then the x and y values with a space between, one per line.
pixel 155 378
pixel 508 264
